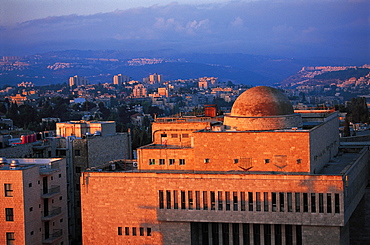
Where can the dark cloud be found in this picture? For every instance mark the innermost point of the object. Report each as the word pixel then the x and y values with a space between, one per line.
pixel 289 28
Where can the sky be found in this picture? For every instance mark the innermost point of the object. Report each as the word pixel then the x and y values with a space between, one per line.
pixel 289 28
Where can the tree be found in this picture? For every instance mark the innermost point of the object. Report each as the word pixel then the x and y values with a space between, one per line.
pixel 358 111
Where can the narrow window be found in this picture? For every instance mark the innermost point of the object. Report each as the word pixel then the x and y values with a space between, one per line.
pixel 227 194
pixel 215 233
pixel 8 190
pixel 206 160
pixel 161 201
pixel 242 201
pixel 236 161
pixel 141 231
pixel 299 234
pixel 288 234
pixel 246 234
pixel 213 200
pixel 151 161
pixel 134 231
pixel 265 201
pixel 161 161
pixel 120 231
pixel 204 229
pixel 336 203
pixel 10 240
pixel 297 202
pixel 278 240
pixel 267 234
pixel 171 161
pixel 250 201
pixel 182 199
pixel 190 199
pixel 9 215
pixel 225 233
pixel 258 201
pixel 175 200
pixel 148 231
pixel 256 234
pixel 321 202
pixel 127 231
pixel 236 239
pixel 197 200
pixel 205 201
pixel 313 202
pixel 273 201
pixel 281 200
pixel 219 199
pixel 30 185
pixel 305 202
pixel 289 199
pixel 182 162
pixel 267 161
pixel 168 199
pixel 235 201
pixel 328 200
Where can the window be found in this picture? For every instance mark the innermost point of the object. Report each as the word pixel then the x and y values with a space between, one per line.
pixel 321 202
pixel 250 201
pixel 60 175
pixel 185 135
pixel 77 153
pixel 8 190
pixel 161 161
pixel 256 234
pixel 172 161
pixel 151 161
pixel 258 201
pixel 281 197
pixel 242 201
pixel 328 200
pixel 267 161
pixel 213 200
pixel 174 135
pixel 206 160
pixel 127 231
pixel 10 240
pixel 30 185
pixel 168 198
pixel 190 199
pixel 197 200
pixel 297 202
pixel 336 203
pixel 305 202
pixel 289 234
pixel 175 200
pixel 134 231
pixel 266 201
pixel 163 135
pixel 31 209
pixel 267 234
pixel 235 201
pixel 299 161
pixel 289 199
pixel 141 231
pixel 278 238
pixel 219 199
pixel 182 162
pixel 313 202
pixel 182 199
pixel 227 194
pixel 161 201
pixel 119 231
pixel 273 201
pixel 236 239
pixel 236 161
pixel 205 201
pixel 246 235
pixel 78 170
pixel 148 231
pixel 9 215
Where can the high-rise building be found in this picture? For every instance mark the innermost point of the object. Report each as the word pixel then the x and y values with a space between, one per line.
pixel 33 201
pixel 154 78
pixel 120 79
pixel 77 81
pixel 262 175
pixel 139 91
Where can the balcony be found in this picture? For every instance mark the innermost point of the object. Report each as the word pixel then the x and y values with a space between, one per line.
pixel 48 193
pixel 50 238
pixel 55 212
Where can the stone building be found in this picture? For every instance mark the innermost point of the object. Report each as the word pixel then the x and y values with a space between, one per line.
pixel 33 201
pixel 262 176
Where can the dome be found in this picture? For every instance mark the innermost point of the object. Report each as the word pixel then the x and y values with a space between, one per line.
pixel 262 101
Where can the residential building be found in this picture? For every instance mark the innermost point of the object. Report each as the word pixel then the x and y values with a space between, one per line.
pixel 120 79
pixel 77 81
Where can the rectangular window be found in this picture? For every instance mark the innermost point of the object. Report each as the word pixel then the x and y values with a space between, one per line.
pixel 163 135
pixel 182 197
pixel 190 200
pixel 213 200
pixel 148 231
pixel 298 202
pixel 298 234
pixel 305 202
pixel 9 215
pixel 278 240
pixel 246 234
pixel 321 202
pixel 127 231
pixel 227 195
pixel 205 200
pixel 313 202
pixel 119 231
pixel 267 234
pixel 182 162
pixel 225 233
pixel 161 161
pixel 77 153
pixel 185 135
pixel 10 240
pixel 289 199
pixel 258 201
pixel 174 135
pixel 256 234
pixel 336 203
pixel 8 190
pixel 197 200
pixel 281 200
pixel 151 161
pixel 141 231
pixel 134 231
pixel 242 201
pixel 215 233
pixel 161 201
pixel 266 201
pixel 236 239
pixel 328 200
pixel 250 201
pixel 171 161
pixel 219 199
pixel 168 199
pixel 273 194
pixel 289 234
pixel 235 201
pixel 206 160
pixel 175 200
